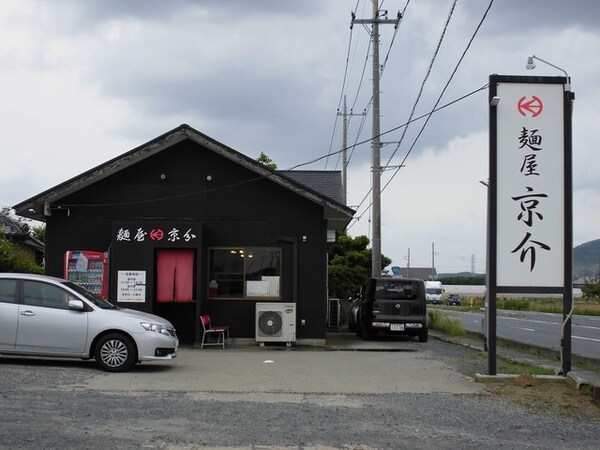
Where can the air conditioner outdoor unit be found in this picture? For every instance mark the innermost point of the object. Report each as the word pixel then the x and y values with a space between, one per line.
pixel 276 322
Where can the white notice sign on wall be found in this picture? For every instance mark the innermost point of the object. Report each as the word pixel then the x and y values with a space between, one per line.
pixel 131 286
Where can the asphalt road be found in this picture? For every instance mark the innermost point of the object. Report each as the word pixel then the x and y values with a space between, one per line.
pixel 539 329
pixel 387 395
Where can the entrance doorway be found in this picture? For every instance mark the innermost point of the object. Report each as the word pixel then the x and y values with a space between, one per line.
pixel 175 290
pixel 175 275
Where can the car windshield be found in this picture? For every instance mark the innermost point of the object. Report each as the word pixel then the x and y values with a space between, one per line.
pixel 398 290
pixel 97 301
pixel 433 290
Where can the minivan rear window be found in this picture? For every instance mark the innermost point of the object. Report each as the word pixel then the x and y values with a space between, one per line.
pixel 396 290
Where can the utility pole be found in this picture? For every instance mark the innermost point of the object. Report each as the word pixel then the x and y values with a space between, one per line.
pixel 375 142
pixel 345 156
pixel 345 115
pixel 433 260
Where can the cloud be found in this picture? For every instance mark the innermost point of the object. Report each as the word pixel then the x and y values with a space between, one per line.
pixel 427 202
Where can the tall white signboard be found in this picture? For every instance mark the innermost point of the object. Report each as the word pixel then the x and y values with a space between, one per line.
pixel 530 185
pixel 530 223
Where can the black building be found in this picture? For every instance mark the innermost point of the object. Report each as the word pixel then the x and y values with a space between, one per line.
pixel 200 228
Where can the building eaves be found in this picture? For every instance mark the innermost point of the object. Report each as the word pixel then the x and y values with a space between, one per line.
pixel 38 207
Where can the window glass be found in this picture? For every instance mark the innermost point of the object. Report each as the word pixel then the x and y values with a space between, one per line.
pixel 226 273
pixel 43 294
pixel 245 273
pixel 262 270
pixel 8 291
pixel 90 296
pixel 397 290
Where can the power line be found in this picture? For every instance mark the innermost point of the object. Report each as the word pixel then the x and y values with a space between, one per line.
pixel 434 57
pixel 387 55
pixel 485 86
pixel 343 85
pixel 391 130
pixel 428 115
pixel 382 70
pixel 251 180
pixel 442 93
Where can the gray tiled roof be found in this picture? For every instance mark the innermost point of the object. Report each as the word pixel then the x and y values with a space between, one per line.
pixel 12 227
pixel 328 183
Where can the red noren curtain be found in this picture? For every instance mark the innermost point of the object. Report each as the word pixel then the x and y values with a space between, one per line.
pixel 174 275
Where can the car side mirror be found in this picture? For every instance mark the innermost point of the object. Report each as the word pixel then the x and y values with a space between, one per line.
pixel 76 305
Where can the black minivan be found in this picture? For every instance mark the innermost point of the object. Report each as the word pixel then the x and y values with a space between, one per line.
pixel 392 307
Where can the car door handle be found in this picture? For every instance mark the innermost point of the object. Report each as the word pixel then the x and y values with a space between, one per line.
pixel 27 313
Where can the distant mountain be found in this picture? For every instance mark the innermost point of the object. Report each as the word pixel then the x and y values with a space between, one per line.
pixel 586 259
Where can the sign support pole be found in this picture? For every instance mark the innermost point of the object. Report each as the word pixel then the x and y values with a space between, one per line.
pixel 568 277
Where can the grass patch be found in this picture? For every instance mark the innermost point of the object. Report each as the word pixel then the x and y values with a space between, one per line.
pixel 438 321
pixel 526 371
pixel 515 304
pixel 546 305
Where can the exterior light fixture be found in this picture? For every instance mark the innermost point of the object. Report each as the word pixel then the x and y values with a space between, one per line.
pixel 531 65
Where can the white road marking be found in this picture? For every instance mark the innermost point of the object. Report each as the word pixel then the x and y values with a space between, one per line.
pixel 523 319
pixel 524 329
pixel 585 338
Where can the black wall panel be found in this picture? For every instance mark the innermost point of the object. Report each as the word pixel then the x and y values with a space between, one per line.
pixel 231 205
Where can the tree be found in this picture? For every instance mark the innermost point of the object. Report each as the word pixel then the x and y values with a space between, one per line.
pixel 13 259
pixel 591 290
pixel 39 232
pixel 350 265
pixel 266 161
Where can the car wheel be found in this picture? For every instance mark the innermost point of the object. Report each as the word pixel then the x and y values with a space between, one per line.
pixel 351 324
pixel 115 353
pixel 366 334
pixel 424 335
pixel 358 328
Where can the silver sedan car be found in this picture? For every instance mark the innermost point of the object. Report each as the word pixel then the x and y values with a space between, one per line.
pixel 47 316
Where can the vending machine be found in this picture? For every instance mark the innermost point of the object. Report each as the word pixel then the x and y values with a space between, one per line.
pixel 88 269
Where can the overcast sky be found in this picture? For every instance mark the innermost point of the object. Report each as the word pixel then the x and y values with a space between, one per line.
pixel 84 81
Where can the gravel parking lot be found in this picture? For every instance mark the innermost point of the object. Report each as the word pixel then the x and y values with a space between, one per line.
pixel 70 404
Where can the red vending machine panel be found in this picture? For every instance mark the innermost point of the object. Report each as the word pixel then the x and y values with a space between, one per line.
pixel 88 269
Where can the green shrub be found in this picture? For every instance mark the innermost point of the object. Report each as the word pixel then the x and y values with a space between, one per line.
pixel 13 259
pixel 591 290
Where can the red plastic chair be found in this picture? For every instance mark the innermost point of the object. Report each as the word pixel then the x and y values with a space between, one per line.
pixel 213 335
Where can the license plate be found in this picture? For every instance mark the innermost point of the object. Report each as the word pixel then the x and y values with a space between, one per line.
pixel 397 327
